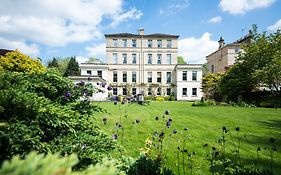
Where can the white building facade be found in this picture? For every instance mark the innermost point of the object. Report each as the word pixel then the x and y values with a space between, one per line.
pixel 146 64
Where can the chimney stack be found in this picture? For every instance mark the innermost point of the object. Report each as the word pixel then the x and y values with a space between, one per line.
pixel 141 31
pixel 221 42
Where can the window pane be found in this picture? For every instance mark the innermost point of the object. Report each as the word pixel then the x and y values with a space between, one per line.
pixel 134 43
pixel 114 91
pixel 184 75
pixel 159 43
pixel 194 91
pixel 168 77
pixel 159 58
pixel 194 75
pixel 134 77
pixel 149 60
pixel 158 77
pixel 114 58
pixel 124 91
pixel 149 43
pixel 124 58
pixel 134 91
pixel 184 91
pixel 168 91
pixel 124 43
pixel 124 77
pixel 100 73
pixel 169 43
pixel 169 58
pixel 149 77
pixel 134 58
pixel 114 76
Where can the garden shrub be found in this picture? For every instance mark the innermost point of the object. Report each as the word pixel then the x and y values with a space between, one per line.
pixel 54 164
pixel 152 98
pixel 160 99
pixel 47 113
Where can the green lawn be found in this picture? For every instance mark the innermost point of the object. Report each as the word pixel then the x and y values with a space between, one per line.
pixel 204 126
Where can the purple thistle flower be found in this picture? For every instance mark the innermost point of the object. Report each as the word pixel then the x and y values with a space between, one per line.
pixel 170 119
pixel 109 88
pixel 104 120
pixel 168 124
pixel 137 120
pixel 156 118
pixel 161 135
pixel 115 102
pixel 98 83
pixel 67 95
pixel 167 112
pixel 185 129
pixel 175 131
pixel 82 83
pixel 114 136
pixel 85 92
pixel 103 85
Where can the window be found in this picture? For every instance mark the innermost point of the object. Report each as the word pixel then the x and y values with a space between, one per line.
pixel 115 77
pixel 115 43
pixel 149 91
pixel 114 58
pixel 124 58
pixel 100 73
pixel 149 43
pixel 194 75
pixel 124 91
pixel 149 77
pixel 89 72
pixel 159 91
pixel 169 58
pixel 124 42
pixel 213 68
pixel 168 91
pixel 169 43
pixel 114 91
pixel 159 43
pixel 169 77
pixel 158 77
pixel 184 91
pixel 124 77
pixel 159 58
pixel 134 58
pixel 184 75
pixel 134 91
pixel 194 91
pixel 134 77
pixel 149 60
pixel 134 43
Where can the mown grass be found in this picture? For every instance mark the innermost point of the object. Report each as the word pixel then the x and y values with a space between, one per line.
pixel 257 126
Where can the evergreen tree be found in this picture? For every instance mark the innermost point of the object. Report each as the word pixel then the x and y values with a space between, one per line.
pixel 53 63
pixel 72 67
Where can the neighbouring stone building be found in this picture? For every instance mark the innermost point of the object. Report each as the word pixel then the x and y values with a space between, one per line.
pixel 146 64
pixel 221 59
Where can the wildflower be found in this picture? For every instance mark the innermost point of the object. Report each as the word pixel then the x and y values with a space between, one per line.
pixel 213 148
pixel 161 135
pixel 84 146
pixel 155 134
pixel 115 102
pixel 67 95
pixel 184 150
pixel 175 131
pixel 133 123
pixel 116 124
pixel 137 120
pixel 98 83
pixel 85 92
pixel 237 129
pixel 156 118
pixel 167 112
pixel 109 88
pixel 82 83
pixel 168 124
pixel 170 119
pixel 120 126
pixel 185 129
pixel 179 148
pixel 258 149
pixel 205 145
pixel 224 128
pixel 103 85
pixel 114 136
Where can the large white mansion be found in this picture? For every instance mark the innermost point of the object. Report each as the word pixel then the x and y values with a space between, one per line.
pixel 144 64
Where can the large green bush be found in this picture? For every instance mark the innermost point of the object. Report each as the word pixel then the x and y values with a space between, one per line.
pixel 47 113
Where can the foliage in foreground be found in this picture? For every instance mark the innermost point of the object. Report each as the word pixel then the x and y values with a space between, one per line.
pixel 47 113
pixel 54 164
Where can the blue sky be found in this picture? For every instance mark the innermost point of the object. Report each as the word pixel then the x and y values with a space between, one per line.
pixel 61 28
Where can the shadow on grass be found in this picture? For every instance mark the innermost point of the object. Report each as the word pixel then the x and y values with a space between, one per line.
pixel 272 124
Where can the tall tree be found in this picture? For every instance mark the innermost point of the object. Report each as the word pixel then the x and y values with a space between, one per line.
pixel 181 60
pixel 72 67
pixel 54 63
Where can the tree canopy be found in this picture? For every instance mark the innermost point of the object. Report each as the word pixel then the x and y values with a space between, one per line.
pixel 72 67
pixel 181 60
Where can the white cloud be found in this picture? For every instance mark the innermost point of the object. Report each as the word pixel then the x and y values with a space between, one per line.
pixel 215 20
pixel 97 51
pixel 195 50
pixel 236 7
pixel 275 27
pixel 59 22
pixel 132 14
pixel 31 49
pixel 174 7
